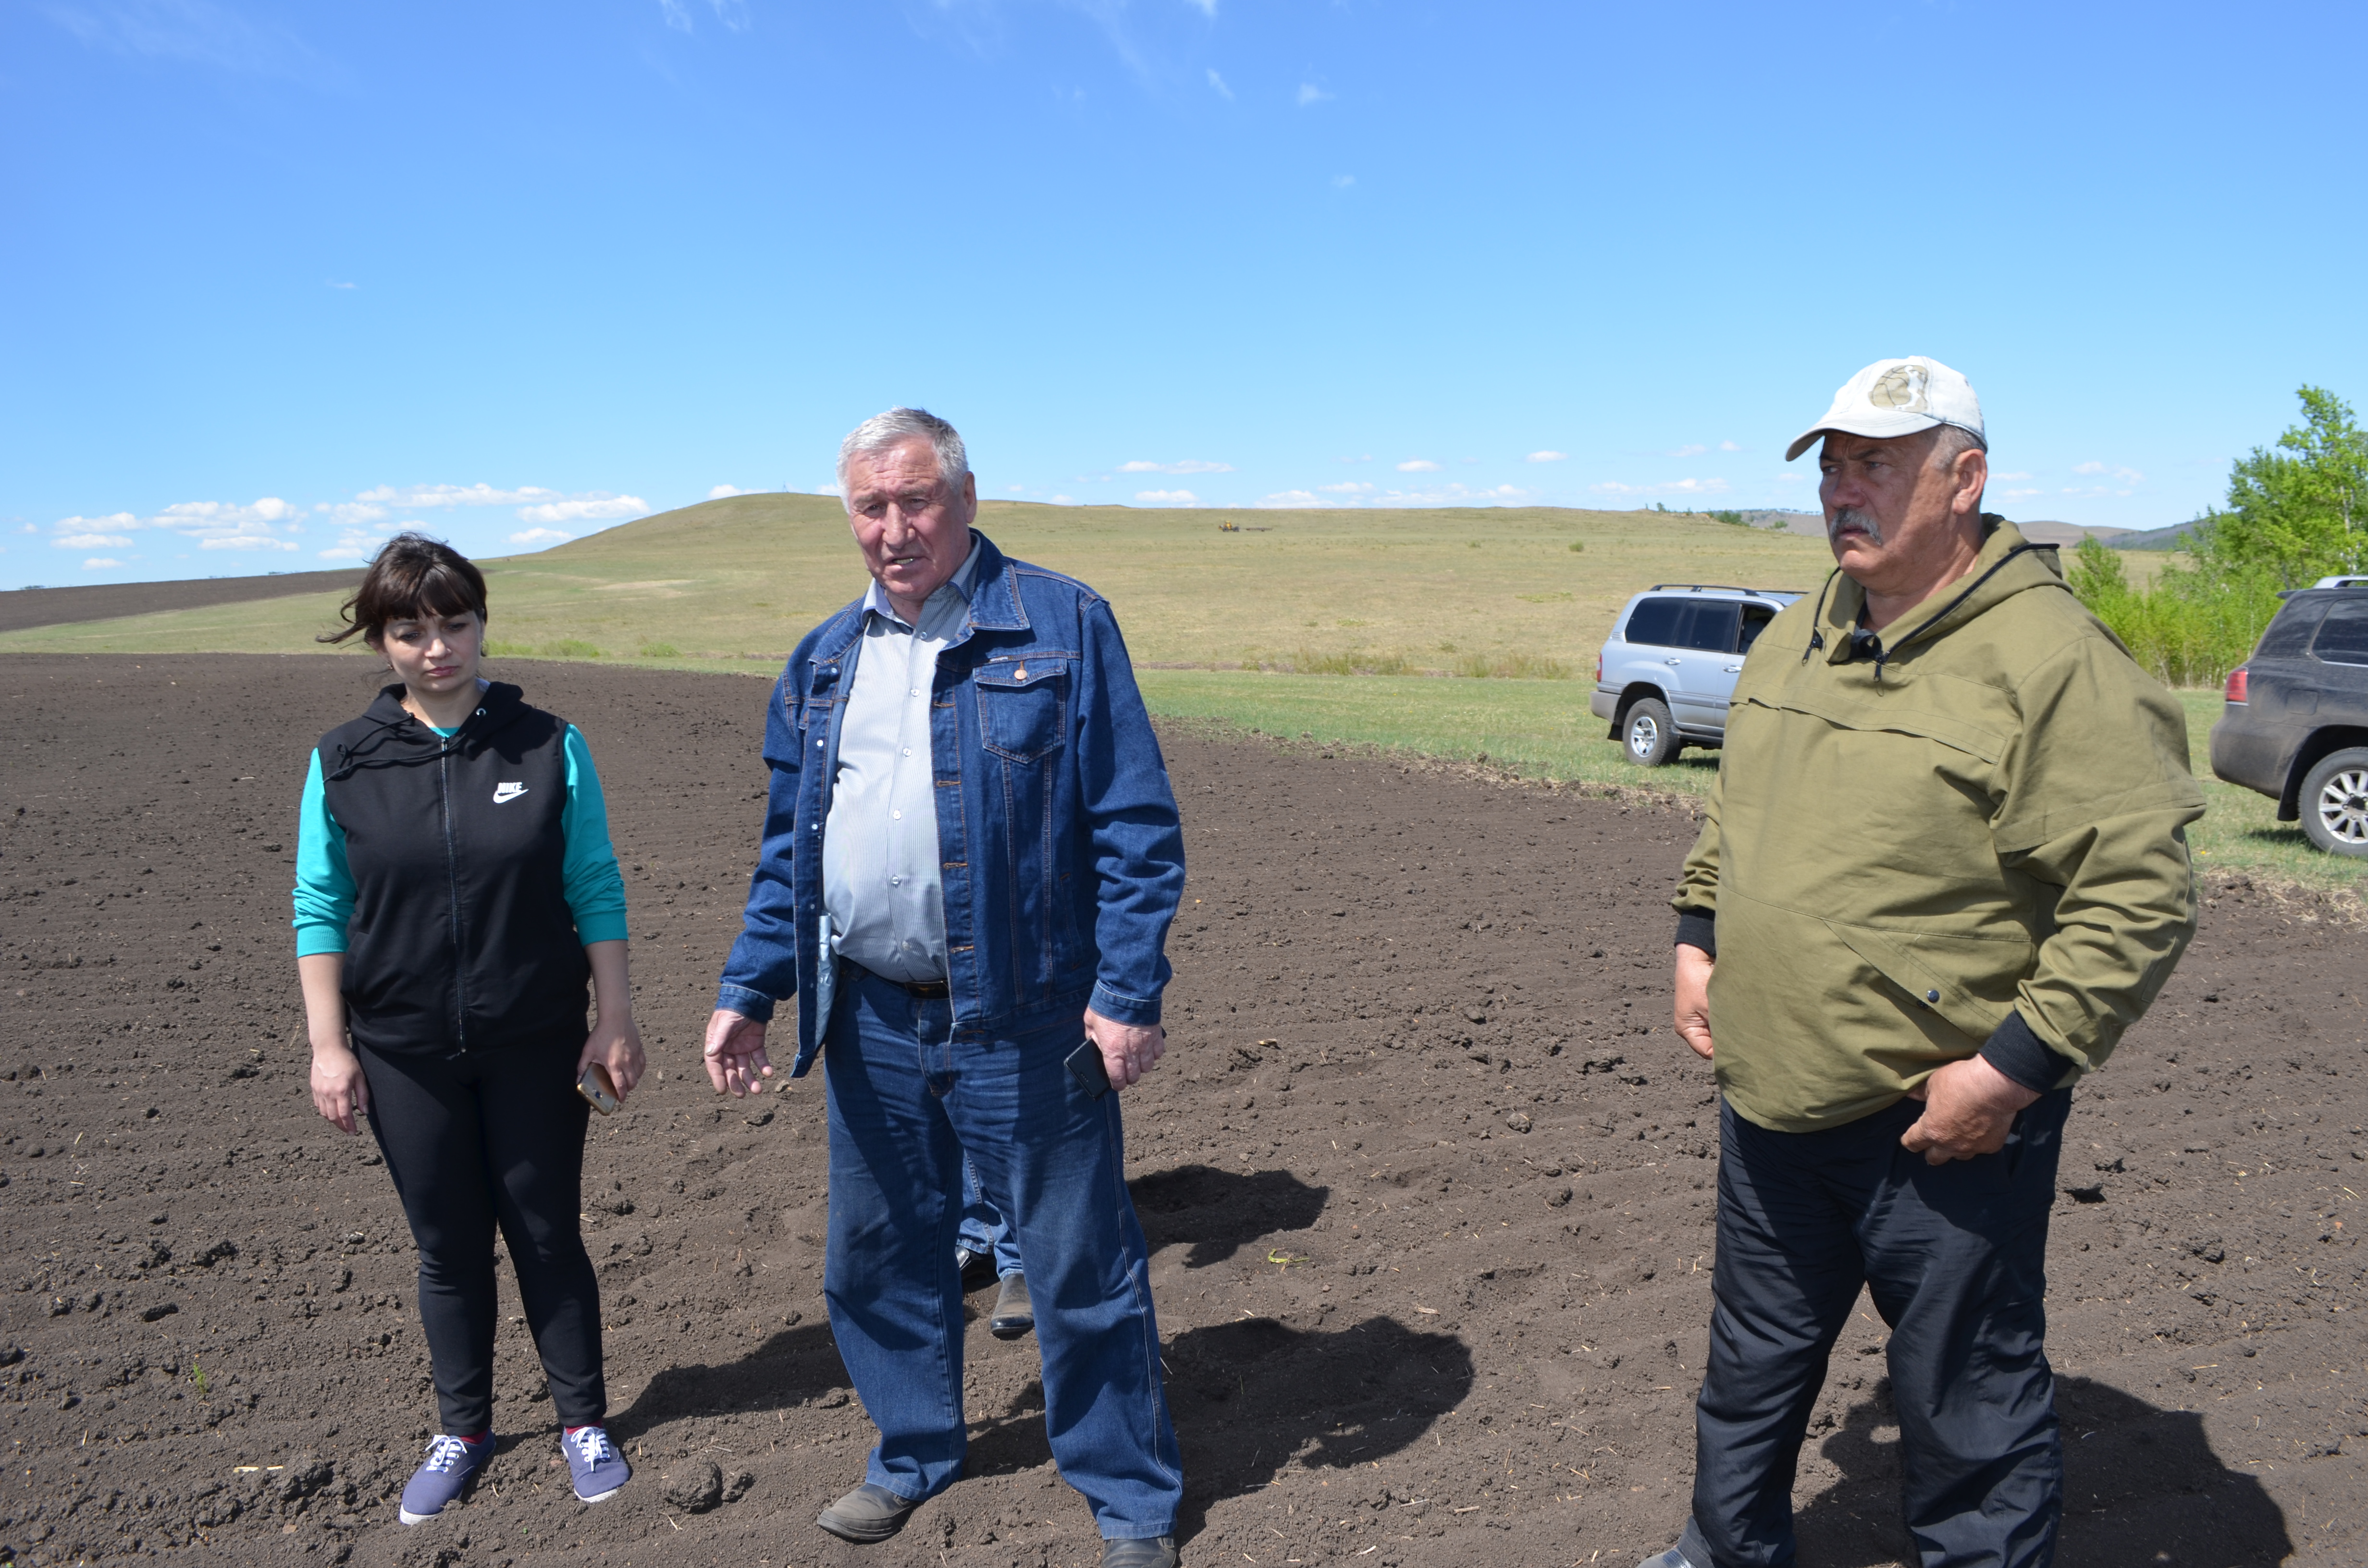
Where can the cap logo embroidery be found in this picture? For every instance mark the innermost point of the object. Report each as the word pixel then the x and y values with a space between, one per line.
pixel 1902 386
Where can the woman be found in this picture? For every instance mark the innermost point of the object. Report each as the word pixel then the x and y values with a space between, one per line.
pixel 454 887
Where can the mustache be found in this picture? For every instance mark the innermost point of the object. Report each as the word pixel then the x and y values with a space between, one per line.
pixel 1849 517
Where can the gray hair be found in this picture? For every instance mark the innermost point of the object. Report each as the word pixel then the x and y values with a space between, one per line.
pixel 1953 440
pixel 901 424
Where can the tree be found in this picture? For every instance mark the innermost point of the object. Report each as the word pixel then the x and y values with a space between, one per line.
pixel 2298 510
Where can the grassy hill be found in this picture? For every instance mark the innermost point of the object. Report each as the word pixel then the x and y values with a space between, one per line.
pixel 1261 626
pixel 727 583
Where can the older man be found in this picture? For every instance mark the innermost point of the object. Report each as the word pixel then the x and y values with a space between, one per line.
pixel 1944 870
pixel 971 857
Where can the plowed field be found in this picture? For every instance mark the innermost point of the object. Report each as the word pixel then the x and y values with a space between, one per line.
pixel 1427 1178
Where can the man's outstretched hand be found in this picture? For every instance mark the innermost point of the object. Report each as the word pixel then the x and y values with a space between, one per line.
pixel 1969 1108
pixel 1128 1050
pixel 736 1053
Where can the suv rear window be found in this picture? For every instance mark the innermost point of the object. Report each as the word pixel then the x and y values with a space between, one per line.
pixel 1706 624
pixel 2288 634
pixel 2343 637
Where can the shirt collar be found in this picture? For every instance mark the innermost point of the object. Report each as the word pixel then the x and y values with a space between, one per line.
pixel 875 599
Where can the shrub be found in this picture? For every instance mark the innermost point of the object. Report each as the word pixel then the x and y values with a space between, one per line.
pixel 1578 547
pixel 2192 627
pixel 1731 518
pixel 659 650
pixel 1356 661
pixel 1511 666
pixel 570 648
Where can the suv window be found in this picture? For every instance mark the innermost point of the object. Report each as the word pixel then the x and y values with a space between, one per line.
pixel 1706 624
pixel 1755 621
pixel 2343 637
pixel 2288 634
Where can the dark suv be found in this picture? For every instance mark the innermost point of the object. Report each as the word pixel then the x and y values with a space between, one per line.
pixel 2296 724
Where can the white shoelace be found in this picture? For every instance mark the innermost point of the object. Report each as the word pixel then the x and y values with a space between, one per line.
pixel 444 1452
pixel 593 1444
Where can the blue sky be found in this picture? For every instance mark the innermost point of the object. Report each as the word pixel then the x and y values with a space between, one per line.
pixel 281 277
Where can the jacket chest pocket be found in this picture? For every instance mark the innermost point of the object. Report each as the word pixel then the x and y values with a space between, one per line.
pixel 1023 706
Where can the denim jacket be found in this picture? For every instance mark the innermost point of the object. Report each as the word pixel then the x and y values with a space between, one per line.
pixel 1062 858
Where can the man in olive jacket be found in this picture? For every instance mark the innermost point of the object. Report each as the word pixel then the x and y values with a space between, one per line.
pixel 1943 868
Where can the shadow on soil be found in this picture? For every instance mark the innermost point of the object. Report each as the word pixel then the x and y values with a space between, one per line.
pixel 789 1369
pixel 1220 1212
pixel 2141 1487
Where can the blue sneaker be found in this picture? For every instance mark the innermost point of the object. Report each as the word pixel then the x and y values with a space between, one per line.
pixel 599 1468
pixel 451 1462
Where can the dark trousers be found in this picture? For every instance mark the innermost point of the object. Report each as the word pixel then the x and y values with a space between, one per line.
pixel 1954 1256
pixel 493 1138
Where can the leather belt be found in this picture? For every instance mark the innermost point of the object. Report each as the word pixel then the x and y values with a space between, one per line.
pixel 922 990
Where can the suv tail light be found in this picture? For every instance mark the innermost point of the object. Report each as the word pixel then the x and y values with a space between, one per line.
pixel 1599 669
pixel 2236 683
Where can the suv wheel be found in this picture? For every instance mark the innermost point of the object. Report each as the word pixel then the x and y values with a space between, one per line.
pixel 2335 802
pixel 1652 739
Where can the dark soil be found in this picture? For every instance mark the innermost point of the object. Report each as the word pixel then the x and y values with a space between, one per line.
pixel 23 608
pixel 1428 1176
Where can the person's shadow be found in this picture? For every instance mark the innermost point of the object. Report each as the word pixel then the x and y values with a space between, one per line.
pixel 1251 1397
pixel 2141 1487
pixel 1220 1211
pixel 789 1369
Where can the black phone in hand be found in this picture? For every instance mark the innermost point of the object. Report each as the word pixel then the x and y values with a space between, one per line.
pixel 1085 1066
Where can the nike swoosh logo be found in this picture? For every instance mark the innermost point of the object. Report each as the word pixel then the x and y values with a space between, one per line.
pixel 504 793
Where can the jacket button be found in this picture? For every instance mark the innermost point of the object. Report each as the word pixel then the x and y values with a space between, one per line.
pixel 1931 997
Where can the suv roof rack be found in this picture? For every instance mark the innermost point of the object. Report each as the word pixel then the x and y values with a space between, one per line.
pixel 1722 587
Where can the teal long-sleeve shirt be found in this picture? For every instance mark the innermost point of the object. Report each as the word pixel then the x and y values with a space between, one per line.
pixel 594 888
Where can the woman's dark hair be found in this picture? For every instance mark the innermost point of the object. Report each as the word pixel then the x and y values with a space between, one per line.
pixel 412 577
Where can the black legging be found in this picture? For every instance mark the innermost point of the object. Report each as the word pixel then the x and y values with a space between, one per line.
pixel 494 1136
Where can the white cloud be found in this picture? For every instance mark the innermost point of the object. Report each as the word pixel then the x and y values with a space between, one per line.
pixel 1674 487
pixel 720 491
pixel 597 507
pixel 540 536
pixel 1065 501
pixel 1309 92
pixel 1687 452
pixel 1728 447
pixel 1343 182
pixel 1546 456
pixel 1190 465
pixel 211 525
pixel 2088 468
pixel 92 541
pixel 335 284
pixel 1792 476
pixel 2020 494
pixel 98 563
pixel 732 13
pixel 830 489
pixel 1417 465
pixel 2006 476
pixel 1216 81
pixel 412 498
pixel 2126 475
pixel 1357 494
pixel 1168 497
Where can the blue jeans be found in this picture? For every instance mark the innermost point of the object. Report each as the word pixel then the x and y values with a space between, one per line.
pixel 985 1232
pixel 1955 1259
pixel 906 1106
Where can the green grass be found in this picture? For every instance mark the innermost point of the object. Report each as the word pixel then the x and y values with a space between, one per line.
pixel 1352 627
pixel 1542 730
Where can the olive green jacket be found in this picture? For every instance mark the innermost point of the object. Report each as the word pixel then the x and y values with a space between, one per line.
pixel 1967 835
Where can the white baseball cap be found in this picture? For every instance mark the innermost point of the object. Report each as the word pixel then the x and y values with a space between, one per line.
pixel 1899 397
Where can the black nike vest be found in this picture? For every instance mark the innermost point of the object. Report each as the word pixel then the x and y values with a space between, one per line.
pixel 462 937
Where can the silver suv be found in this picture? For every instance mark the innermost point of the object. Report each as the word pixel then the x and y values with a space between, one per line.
pixel 1668 667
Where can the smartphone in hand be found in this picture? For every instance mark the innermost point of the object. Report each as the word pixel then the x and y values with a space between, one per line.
pixel 1086 1066
pixel 599 1088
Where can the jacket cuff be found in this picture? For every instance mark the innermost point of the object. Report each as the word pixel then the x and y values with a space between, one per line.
pixel 1698 928
pixel 2019 1053
pixel 1120 1008
pixel 747 1002
pixel 605 926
